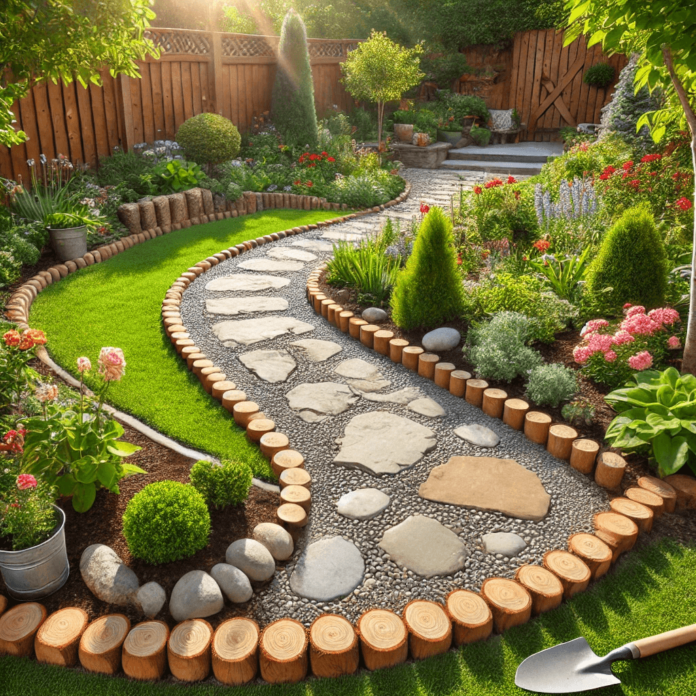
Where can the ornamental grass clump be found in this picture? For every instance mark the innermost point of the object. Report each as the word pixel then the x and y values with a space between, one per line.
pixel 550 385
pixel 429 290
pixel 222 484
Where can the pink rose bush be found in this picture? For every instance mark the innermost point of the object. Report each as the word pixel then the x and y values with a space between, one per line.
pixel 611 352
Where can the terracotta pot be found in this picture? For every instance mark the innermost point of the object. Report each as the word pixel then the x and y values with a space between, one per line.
pixel 403 132
pixel 421 139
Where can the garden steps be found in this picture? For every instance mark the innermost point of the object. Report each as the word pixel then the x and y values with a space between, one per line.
pixel 524 159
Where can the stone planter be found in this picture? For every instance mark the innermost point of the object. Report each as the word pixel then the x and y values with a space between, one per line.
pixel 430 157
pixel 403 132
pixel 451 137
pixel 70 243
pixel 38 571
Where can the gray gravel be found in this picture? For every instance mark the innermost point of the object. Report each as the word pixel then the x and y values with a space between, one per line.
pixel 574 498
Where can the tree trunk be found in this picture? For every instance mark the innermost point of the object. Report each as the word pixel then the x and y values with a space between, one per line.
pixel 380 118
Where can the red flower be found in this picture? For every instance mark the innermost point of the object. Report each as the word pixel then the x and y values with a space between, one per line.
pixel 459 260
pixel 511 180
pixel 324 153
pixel 313 157
pixel 424 209
pixel 311 165
pixel 330 159
pixel 37 336
pixel 309 184
pixel 541 245
pixel 651 158
pixel 26 342
pixel 627 166
pixel 493 183
pixel 12 338
pixel 635 183
pixel 683 204
pixel 607 173
pixel 478 190
pixel 297 182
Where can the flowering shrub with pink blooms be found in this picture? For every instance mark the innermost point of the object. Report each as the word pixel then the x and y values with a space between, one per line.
pixel 611 352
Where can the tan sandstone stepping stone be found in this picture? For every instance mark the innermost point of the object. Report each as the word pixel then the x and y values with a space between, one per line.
pixel 271 266
pixel 487 483
pixel 383 443
pixel 269 365
pixel 315 350
pixel 314 245
pixel 241 282
pixel 427 407
pixel 401 397
pixel 361 375
pixel 246 305
pixel 288 254
pixel 249 331
pixel 335 236
pixel 314 402
pixel 424 546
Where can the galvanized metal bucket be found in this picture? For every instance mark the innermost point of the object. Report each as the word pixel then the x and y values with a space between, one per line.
pixel 70 243
pixel 40 570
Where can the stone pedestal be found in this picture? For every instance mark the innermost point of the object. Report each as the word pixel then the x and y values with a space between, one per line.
pixel 430 157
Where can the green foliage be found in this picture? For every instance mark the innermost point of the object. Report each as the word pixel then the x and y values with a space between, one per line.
pixel 221 484
pixel 123 168
pixel 564 275
pixel 631 265
pixel 657 416
pixel 365 124
pixel 429 290
pixel 599 75
pixel 233 191
pixel 173 176
pixel 497 349
pixel 445 69
pixel 366 189
pixel 293 109
pixel 550 385
pixel 579 412
pixel 166 521
pixel 209 139
pixel 466 105
pixel 10 268
pixel 481 136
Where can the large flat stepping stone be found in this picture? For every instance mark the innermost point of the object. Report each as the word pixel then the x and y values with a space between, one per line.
pixel 271 266
pixel 383 443
pixel 363 504
pixel 401 397
pixel 241 282
pixel 269 365
pixel 246 305
pixel 315 350
pixel 314 402
pixel 361 375
pixel 506 543
pixel 336 236
pixel 487 483
pixel 478 435
pixel 328 569
pixel 249 331
pixel 290 254
pixel 314 245
pixel 425 546
pixel 427 407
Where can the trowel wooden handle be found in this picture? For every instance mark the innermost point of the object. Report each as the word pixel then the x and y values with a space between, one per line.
pixel 665 641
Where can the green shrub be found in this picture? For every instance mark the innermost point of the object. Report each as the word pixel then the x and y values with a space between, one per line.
pixel 429 290
pixel 631 265
pixel 445 69
pixel 10 268
pixel 600 75
pixel 222 485
pixel 209 139
pixel 481 136
pixel 292 108
pixel 549 385
pixel 166 521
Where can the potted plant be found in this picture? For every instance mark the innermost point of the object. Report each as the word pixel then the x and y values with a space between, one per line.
pixel 403 125
pixel 68 229
pixel 448 129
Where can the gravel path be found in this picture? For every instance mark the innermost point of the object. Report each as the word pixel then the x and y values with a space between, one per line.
pixel 574 499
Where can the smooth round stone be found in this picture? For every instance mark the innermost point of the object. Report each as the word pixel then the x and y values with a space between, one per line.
pixel 276 539
pixel 427 407
pixel 233 582
pixel 374 315
pixel 507 543
pixel 195 596
pixel 441 340
pixel 477 435
pixel 151 597
pixel 252 558
pixel 363 504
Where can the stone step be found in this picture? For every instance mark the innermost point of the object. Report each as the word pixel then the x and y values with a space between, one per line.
pixel 505 167
pixel 537 153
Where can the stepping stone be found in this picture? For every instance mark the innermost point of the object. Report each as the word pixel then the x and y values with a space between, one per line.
pixel 269 365
pixel 289 254
pixel 427 407
pixel 374 315
pixel 315 350
pixel 507 543
pixel 241 282
pixel 361 375
pixel 271 266
pixel 441 340
pixel 477 435
pixel 363 504
pixel 249 331
pixel 424 546
pixel 314 245
pixel 487 483
pixel 314 402
pixel 336 236
pixel 328 569
pixel 383 443
pixel 401 397
pixel 246 305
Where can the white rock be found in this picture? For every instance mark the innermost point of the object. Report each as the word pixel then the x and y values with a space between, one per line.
pixel 374 315
pixel 427 407
pixel 314 402
pixel 249 331
pixel 233 582
pixel 363 504
pixel 361 375
pixel 478 435
pixel 245 305
pixel 195 596
pixel 315 350
pixel 106 575
pixel 271 266
pixel 289 254
pixel 276 539
pixel 249 282
pixel 443 339
pixel 151 597
pixel 252 558
pixel 269 365
pixel 507 543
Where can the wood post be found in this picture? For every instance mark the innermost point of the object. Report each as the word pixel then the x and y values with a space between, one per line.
pixel 474 391
pixel 593 551
pixel 560 441
pixel 396 346
pixel 100 645
pixel 471 616
pixel 286 459
pixel 259 427
pixel 663 489
pixel 235 651
pixel 383 639
pixel 272 443
pixel 292 517
pixel 429 628
pixel 144 653
pixel 510 603
pixel 573 573
pixel 188 650
pixel 299 495
pixel 343 319
pixel 544 587
pixel 18 626
pixel 3 604
pixel 243 411
pixel 610 470
pixel 333 646
pixel 381 341
pixel 457 383
pixel 58 638
pixel 426 365
pixel 367 334
pixel 647 498
pixel 642 515
pixel 494 402
pixel 216 66
pixel 219 388
pixel 442 374
pixel 409 357
pixel 231 398
pixel 283 652
pixel 536 426
pixel 295 476
pixel 583 455
pixel 354 325
pixel 616 531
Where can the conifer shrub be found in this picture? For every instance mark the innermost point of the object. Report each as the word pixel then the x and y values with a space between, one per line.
pixel 429 290
pixel 209 139
pixel 631 265
pixel 292 105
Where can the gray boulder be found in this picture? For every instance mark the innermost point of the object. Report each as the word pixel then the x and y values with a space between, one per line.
pixel 441 340
pixel 151 597
pixel 106 575
pixel 252 558
pixel 195 596
pixel 506 543
pixel 374 315
pixel 232 582
pixel 276 539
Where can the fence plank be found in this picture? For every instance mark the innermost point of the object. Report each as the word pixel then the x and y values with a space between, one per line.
pixel 60 133
pixel 18 153
pixel 84 107
pixel 110 93
pixel 168 101
pixel 205 93
pixel 157 101
pixel 248 95
pixel 187 90
pixel 146 103
pixel 29 124
pixel 196 89
pixel 235 114
pixel 136 109
pixel 96 94
pixel 177 95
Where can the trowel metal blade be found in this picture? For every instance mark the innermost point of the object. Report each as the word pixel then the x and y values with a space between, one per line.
pixel 565 669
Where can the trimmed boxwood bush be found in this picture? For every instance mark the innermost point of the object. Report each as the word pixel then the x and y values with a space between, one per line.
pixel 222 484
pixel 165 522
pixel 209 139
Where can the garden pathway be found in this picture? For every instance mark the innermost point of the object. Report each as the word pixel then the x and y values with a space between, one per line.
pixel 364 423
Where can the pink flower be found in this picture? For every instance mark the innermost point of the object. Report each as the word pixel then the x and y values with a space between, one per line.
pixel 594 325
pixel 599 343
pixel 640 361
pixel 112 364
pixel 46 392
pixel 621 337
pixel 628 305
pixel 638 309
pixel 640 324
pixel 610 356
pixel 666 316
pixel 25 481
pixel 84 364
pixel 581 354
pixel 673 342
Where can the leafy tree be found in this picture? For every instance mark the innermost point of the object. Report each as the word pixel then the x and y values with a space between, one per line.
pixel 293 109
pixel 380 70
pixel 663 33
pixel 66 39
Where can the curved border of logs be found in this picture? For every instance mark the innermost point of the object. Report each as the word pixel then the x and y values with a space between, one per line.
pixel 385 638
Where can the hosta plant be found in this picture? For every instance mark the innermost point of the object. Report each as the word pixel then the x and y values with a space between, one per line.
pixel 656 416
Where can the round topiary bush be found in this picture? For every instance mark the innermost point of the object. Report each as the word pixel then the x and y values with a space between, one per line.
pixel 166 521
pixel 222 484
pixel 209 139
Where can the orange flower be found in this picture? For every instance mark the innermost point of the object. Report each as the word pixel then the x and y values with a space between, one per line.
pixel 37 336
pixel 12 338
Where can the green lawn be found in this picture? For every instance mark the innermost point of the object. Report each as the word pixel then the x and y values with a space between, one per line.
pixel 653 590
pixel 118 303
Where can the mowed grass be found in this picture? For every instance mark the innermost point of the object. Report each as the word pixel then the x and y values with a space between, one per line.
pixel 653 590
pixel 118 303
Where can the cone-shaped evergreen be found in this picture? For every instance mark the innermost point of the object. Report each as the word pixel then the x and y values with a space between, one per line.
pixel 429 290
pixel 292 107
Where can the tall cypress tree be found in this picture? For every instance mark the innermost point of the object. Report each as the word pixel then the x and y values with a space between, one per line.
pixel 292 108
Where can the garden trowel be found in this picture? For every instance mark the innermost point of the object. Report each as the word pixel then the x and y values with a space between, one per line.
pixel 573 666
